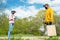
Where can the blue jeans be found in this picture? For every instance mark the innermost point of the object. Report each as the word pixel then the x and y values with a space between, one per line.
pixel 10 29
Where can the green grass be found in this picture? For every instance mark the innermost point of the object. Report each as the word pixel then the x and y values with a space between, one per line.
pixel 22 35
pixel 53 38
pixel 29 35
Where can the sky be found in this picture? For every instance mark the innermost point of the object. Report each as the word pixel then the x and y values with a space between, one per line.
pixel 26 8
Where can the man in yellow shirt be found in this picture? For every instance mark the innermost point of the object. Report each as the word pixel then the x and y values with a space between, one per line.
pixel 48 15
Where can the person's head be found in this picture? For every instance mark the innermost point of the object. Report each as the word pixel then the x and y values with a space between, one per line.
pixel 46 6
pixel 13 12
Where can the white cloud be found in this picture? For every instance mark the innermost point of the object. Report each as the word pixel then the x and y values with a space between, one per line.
pixel 7 11
pixel 4 1
pixel 51 3
pixel 44 1
pixel 57 9
pixel 55 4
pixel 31 11
pixel 21 12
pixel 38 1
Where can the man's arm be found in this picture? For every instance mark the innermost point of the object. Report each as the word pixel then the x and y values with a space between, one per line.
pixel 50 15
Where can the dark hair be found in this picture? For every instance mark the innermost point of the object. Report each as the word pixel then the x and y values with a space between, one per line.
pixel 13 12
pixel 45 5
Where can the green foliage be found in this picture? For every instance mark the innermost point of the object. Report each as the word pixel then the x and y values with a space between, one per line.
pixel 28 25
pixel 57 24
pixel 53 38
pixel 3 25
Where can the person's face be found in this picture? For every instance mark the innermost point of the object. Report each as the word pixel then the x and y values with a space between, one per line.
pixel 46 6
pixel 13 13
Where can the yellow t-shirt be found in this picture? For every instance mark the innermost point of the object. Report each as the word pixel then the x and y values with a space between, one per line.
pixel 49 15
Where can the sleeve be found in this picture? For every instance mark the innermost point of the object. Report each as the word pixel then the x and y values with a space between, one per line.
pixel 50 14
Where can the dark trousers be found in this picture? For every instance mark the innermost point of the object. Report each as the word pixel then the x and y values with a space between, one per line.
pixel 48 23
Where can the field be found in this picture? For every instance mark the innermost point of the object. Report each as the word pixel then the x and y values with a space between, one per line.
pixel 29 37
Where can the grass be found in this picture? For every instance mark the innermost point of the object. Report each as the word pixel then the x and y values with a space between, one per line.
pixel 53 38
pixel 20 35
pixel 30 35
